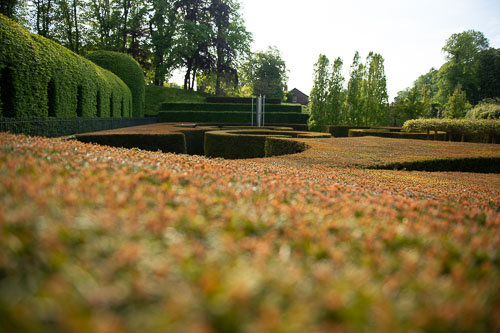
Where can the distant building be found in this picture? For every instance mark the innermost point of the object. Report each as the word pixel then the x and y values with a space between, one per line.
pixel 298 97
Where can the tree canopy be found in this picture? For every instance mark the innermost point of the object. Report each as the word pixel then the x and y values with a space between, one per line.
pixel 266 74
pixel 200 36
pixel 470 75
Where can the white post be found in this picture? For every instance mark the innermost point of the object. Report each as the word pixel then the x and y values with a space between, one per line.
pixel 263 110
pixel 259 110
pixel 252 112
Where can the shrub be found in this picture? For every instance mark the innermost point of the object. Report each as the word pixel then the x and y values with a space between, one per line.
pixel 127 69
pixel 488 110
pixel 40 78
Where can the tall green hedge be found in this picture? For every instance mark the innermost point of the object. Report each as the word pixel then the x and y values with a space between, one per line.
pixel 231 117
pixel 127 69
pixel 233 107
pixel 40 78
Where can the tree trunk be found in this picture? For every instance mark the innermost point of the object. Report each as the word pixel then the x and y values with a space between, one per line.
pixel 77 32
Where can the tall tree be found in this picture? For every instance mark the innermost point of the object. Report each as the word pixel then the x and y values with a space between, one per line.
pixel 488 73
pixel 42 13
pixel 374 92
pixel 67 24
pixel 354 89
pixel 462 51
pixel 336 95
pixel 8 7
pixel 195 41
pixel 163 25
pixel 231 42
pixel 319 94
pixel 266 73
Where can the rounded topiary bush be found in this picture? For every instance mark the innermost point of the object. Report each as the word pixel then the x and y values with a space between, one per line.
pixel 40 78
pixel 126 68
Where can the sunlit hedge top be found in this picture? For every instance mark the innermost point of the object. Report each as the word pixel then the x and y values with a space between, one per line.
pixel 127 69
pixel 40 78
pixel 458 126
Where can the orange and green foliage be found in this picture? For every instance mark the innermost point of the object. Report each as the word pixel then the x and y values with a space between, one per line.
pixel 100 239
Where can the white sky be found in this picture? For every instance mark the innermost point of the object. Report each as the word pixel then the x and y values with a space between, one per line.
pixel 409 34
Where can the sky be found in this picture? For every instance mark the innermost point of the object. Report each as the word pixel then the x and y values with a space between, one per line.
pixel 409 34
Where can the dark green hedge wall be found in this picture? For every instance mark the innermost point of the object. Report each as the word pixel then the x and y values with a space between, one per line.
pixel 40 78
pixel 232 107
pixel 230 117
pixel 127 69
pixel 167 143
pixel 468 164
pixel 244 100
pixel 235 144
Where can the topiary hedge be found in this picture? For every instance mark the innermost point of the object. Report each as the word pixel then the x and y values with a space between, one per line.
pixel 40 78
pixel 235 144
pixel 231 117
pixel 397 135
pixel 127 69
pixel 244 100
pixel 233 107
pixel 168 143
pixel 458 129
pixel 470 164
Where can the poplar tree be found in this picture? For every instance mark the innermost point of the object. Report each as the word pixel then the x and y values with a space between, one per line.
pixel 336 95
pixel 354 89
pixel 375 105
pixel 319 94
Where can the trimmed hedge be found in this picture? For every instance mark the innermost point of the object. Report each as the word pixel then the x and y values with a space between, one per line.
pixel 174 142
pixel 40 78
pixel 231 117
pixel 342 131
pixel 243 100
pixel 220 107
pixel 471 164
pixel 235 144
pixel 457 129
pixel 397 135
pixel 55 127
pixel 127 69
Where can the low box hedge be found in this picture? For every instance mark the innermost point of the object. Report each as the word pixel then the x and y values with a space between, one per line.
pixel 471 164
pixel 342 131
pixel 55 127
pixel 397 135
pixel 242 100
pixel 231 117
pixel 219 107
pixel 235 144
pixel 167 143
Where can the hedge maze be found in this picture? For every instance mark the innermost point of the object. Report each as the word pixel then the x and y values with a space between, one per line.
pixel 227 142
pixel 40 78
